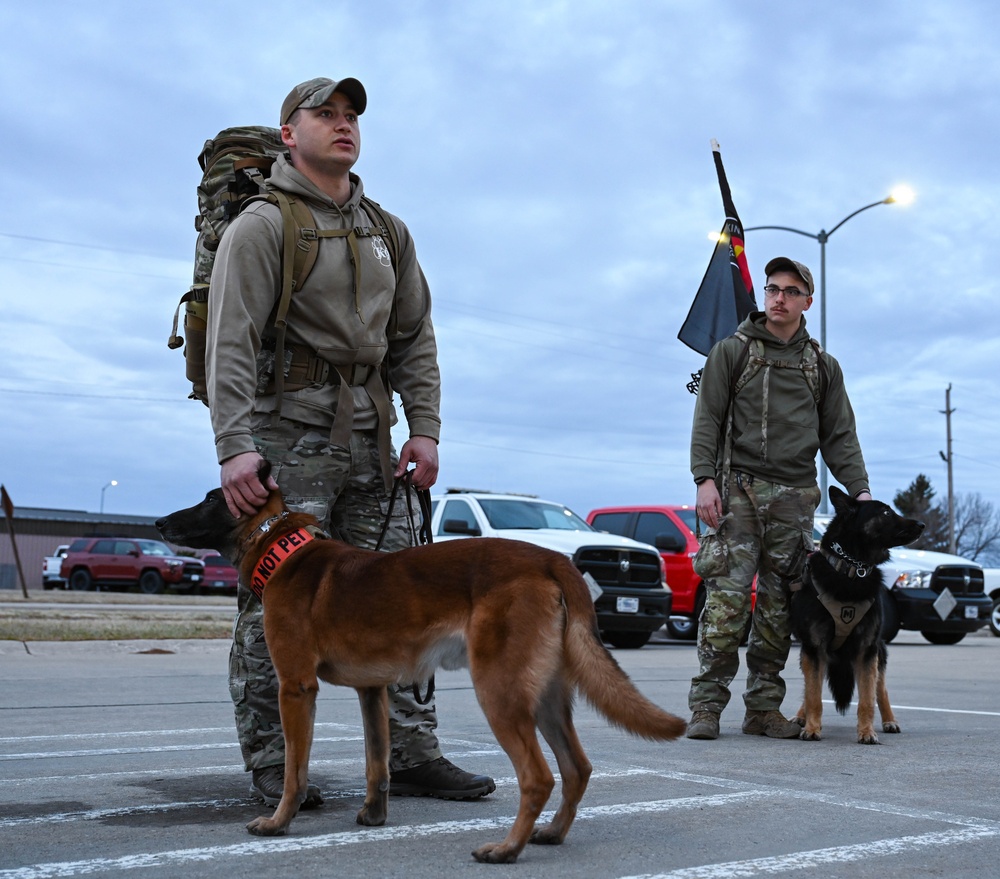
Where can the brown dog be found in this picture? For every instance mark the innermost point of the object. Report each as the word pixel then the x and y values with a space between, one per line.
pixel 520 617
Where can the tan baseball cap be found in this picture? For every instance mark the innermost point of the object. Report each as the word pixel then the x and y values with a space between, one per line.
pixel 317 91
pixel 784 264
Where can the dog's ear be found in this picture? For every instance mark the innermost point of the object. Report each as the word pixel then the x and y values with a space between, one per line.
pixel 841 500
pixel 263 471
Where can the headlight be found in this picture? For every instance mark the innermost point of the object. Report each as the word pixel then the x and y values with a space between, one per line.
pixel 175 564
pixel 913 580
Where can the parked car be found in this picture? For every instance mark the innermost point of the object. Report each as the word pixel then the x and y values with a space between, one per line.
pixel 942 596
pixel 671 529
pixel 52 577
pixel 626 576
pixel 992 581
pixel 122 562
pixel 220 574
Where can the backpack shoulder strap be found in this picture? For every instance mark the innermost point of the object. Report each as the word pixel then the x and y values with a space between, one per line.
pixel 747 364
pixel 386 227
pixel 819 377
pixel 391 238
pixel 298 256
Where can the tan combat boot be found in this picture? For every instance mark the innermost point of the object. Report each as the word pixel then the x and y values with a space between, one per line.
pixel 771 724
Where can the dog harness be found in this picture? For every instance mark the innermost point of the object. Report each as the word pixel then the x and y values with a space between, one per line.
pixel 846 615
pixel 274 555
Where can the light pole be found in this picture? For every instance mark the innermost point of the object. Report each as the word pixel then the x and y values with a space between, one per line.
pixel 106 487
pixel 901 195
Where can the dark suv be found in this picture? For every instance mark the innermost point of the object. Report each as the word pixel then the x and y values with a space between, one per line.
pixel 122 562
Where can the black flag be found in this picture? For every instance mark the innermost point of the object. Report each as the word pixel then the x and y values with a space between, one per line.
pixel 725 296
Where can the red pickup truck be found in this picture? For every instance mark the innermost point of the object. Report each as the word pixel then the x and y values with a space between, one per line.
pixel 670 529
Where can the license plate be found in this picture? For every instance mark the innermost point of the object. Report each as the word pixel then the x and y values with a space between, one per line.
pixel 195 577
pixel 628 605
pixel 972 613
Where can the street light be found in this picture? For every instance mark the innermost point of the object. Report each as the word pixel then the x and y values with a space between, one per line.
pixel 106 487
pixel 900 195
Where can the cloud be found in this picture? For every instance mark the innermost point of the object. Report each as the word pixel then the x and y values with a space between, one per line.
pixel 552 162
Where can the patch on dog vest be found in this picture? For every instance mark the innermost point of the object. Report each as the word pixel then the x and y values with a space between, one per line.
pixel 846 615
pixel 276 553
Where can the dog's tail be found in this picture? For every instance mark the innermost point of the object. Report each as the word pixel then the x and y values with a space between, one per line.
pixel 603 683
pixel 840 676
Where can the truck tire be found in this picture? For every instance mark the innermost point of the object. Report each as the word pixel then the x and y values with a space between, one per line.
pixel 627 640
pixel 687 629
pixel 890 617
pixel 151 583
pixel 943 637
pixel 683 628
pixel 80 580
pixel 995 615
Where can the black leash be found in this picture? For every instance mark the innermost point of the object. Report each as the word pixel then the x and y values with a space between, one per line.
pixel 418 536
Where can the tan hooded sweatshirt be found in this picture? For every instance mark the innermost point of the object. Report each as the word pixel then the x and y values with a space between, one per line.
pixel 328 316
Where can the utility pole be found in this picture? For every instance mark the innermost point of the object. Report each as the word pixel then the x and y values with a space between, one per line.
pixel 948 460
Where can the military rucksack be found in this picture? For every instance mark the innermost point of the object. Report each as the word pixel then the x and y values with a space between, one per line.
pixel 234 166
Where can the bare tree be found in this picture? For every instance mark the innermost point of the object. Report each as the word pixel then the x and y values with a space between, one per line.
pixel 977 528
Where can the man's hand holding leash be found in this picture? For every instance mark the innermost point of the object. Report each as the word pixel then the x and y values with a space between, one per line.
pixel 422 452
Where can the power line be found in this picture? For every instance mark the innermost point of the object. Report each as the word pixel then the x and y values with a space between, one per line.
pixel 82 244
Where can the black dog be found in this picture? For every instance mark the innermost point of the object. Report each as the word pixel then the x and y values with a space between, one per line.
pixel 837 614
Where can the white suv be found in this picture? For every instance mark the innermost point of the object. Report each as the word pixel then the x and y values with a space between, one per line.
pixel 633 602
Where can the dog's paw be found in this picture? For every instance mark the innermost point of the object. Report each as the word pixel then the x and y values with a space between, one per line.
pixel 799 719
pixel 868 738
pixel 495 853
pixel 890 726
pixel 265 827
pixel 369 817
pixel 545 836
pixel 810 735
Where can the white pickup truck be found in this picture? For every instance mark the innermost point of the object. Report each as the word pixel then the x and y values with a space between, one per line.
pixel 51 567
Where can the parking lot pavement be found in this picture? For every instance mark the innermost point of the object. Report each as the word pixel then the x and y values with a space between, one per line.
pixel 119 759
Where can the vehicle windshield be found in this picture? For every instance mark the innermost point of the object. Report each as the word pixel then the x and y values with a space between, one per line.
pixel 153 547
pixel 217 561
pixel 689 516
pixel 517 513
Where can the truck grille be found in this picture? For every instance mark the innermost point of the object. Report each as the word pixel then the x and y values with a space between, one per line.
pixel 191 569
pixel 619 567
pixel 960 580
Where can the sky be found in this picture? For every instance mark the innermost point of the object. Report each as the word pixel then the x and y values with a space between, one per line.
pixel 552 160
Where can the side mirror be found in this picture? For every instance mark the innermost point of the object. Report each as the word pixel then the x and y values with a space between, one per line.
pixel 460 526
pixel 669 543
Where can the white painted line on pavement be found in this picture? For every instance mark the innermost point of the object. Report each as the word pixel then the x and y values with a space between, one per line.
pixel 826 857
pixel 970 830
pixel 286 845
pixel 147 749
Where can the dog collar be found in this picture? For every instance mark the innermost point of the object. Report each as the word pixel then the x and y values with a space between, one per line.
pixel 274 555
pixel 845 564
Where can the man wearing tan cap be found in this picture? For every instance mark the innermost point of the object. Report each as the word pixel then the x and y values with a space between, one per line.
pixel 357 330
pixel 769 400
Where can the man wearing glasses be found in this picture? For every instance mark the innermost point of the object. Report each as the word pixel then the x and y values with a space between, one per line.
pixel 769 399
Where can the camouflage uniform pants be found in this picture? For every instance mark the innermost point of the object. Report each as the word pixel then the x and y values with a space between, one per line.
pixel 769 534
pixel 343 488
